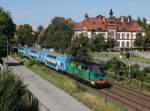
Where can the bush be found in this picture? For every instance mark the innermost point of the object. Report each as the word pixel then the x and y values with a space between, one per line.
pixel 134 70
pixel 116 66
pixel 11 92
pixel 140 75
pixel 33 62
pixel 147 69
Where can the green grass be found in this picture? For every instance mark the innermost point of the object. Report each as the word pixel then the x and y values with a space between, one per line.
pixel 72 87
pixel 117 55
pixel 106 54
pixel 134 85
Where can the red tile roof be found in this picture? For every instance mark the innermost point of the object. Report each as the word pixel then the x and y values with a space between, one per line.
pixel 101 24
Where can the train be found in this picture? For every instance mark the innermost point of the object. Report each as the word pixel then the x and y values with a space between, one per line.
pixel 88 72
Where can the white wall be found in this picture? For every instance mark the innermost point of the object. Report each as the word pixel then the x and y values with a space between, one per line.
pixel 130 38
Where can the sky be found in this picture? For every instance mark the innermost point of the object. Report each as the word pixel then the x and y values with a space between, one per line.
pixel 41 12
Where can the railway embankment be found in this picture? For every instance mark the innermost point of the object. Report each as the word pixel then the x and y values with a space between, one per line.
pixel 72 87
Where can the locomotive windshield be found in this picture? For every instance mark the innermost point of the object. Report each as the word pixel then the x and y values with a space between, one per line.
pixel 98 69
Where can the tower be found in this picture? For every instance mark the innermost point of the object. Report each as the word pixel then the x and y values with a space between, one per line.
pixel 111 13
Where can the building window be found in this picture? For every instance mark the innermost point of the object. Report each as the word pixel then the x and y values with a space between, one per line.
pixel 123 44
pixel 118 43
pixel 127 43
pixel 123 36
pixel 118 36
pixel 128 36
pixel 93 35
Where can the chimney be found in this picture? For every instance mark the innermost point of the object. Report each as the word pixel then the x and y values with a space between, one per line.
pixel 129 18
pixel 122 18
pixel 104 19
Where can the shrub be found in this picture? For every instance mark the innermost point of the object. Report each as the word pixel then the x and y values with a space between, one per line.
pixel 33 62
pixel 140 75
pixel 134 69
pixel 116 66
pixel 11 92
pixel 147 69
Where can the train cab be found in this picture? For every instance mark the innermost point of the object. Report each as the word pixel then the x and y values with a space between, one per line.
pixel 98 75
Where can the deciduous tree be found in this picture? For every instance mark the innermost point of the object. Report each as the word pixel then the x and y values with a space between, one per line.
pixel 98 43
pixel 25 35
pixel 80 48
pixel 7 29
pixel 58 34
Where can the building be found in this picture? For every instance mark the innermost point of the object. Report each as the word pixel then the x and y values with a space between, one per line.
pixel 123 29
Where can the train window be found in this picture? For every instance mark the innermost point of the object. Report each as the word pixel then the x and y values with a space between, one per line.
pixel 51 56
pixel 61 63
pixel 33 51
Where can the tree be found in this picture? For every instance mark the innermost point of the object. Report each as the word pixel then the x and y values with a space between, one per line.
pixel 7 29
pixel 3 46
pixel 118 67
pixel 80 48
pixel 25 35
pixel 147 39
pixel 11 92
pixel 143 22
pixel 58 35
pixel 111 43
pixel 98 43
pixel 40 34
pixel 139 21
pixel 142 41
pixel 139 41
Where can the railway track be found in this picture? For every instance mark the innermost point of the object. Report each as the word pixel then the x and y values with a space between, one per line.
pixel 137 101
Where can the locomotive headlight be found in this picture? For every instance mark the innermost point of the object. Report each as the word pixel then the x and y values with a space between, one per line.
pixel 92 82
